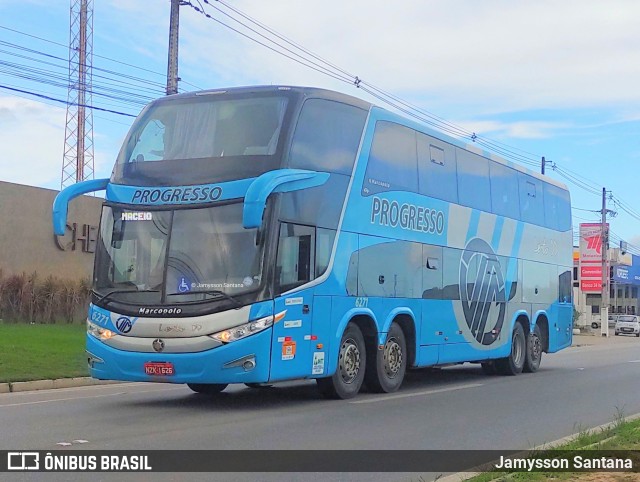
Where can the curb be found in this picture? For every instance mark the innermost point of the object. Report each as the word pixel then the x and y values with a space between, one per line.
pixel 50 384
pixel 462 476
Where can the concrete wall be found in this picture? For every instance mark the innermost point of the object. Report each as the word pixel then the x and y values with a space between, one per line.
pixel 27 243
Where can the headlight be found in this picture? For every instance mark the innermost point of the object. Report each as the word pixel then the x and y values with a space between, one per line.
pixel 242 331
pixel 98 332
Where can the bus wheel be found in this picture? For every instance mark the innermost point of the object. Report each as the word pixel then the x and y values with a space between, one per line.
pixel 514 363
pixel 534 352
pixel 349 375
pixel 386 367
pixel 207 388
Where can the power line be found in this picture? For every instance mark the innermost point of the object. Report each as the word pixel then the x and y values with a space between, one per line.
pixel 64 101
pixel 66 46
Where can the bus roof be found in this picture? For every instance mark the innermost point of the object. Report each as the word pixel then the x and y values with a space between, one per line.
pixel 304 92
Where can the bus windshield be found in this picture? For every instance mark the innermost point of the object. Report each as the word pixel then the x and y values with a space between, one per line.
pixel 174 256
pixel 205 134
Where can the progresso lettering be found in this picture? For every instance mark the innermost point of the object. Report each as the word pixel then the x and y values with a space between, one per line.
pixel 176 195
pixel 406 216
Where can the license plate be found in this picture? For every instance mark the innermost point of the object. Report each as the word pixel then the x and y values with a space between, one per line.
pixel 628 330
pixel 163 369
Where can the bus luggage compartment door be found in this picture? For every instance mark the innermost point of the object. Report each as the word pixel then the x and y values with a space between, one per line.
pixel 290 357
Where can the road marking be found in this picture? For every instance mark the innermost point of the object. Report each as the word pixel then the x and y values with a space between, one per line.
pixel 63 444
pixel 35 402
pixel 634 361
pixel 72 389
pixel 80 441
pixel 416 394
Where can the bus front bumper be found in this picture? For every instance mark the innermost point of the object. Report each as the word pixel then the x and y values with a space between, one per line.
pixel 243 361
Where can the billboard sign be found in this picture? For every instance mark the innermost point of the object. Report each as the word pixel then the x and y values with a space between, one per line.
pixel 591 257
pixel 628 274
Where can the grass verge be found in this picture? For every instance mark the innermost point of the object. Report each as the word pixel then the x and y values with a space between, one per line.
pixel 38 352
pixel 621 435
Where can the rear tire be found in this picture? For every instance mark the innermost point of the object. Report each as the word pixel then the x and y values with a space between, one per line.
pixel 386 367
pixel 352 362
pixel 594 325
pixel 207 388
pixel 514 363
pixel 534 351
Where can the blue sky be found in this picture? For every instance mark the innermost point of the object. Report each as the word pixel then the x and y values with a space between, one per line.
pixel 553 78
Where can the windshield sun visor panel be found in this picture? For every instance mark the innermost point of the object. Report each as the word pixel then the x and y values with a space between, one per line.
pixel 177 195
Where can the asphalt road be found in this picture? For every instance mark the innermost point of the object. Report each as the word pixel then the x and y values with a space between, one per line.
pixel 453 408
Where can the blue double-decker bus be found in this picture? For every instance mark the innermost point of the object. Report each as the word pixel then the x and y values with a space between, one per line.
pixel 260 234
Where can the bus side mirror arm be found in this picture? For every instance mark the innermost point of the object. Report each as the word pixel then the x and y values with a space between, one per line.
pixel 281 180
pixel 61 202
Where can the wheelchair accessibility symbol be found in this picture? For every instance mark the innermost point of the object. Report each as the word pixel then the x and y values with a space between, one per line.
pixel 184 286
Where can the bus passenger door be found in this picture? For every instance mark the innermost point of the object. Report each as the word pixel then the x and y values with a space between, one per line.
pixel 290 354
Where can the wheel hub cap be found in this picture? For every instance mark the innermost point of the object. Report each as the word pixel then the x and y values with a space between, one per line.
pixel 349 361
pixel 392 357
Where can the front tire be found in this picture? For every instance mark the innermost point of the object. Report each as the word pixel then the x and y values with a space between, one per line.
pixel 352 362
pixel 514 363
pixel 534 352
pixel 386 367
pixel 207 388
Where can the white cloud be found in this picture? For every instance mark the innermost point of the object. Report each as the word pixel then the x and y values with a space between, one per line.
pixel 515 130
pixel 493 55
pixel 32 140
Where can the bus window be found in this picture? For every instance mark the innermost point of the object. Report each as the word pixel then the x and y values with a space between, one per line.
pixel 393 162
pixel 391 269
pixel 474 187
pixel 324 244
pixel 294 265
pixel 557 208
pixel 451 273
pixel 437 166
pixel 504 191
pixel 432 272
pixel 564 285
pixel 150 145
pixel 327 136
pixel 531 199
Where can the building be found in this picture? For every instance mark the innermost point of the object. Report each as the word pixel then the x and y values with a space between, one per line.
pixel 27 243
pixel 623 291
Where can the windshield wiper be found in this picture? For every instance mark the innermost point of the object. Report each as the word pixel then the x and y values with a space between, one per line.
pixel 108 294
pixel 218 293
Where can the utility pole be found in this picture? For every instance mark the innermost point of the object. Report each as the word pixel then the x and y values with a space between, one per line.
pixel 172 65
pixel 604 310
pixel 542 166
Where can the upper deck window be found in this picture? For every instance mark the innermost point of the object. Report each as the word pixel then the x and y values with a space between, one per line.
pixel 193 130
pixel 212 136
pixel 393 160
pixel 327 136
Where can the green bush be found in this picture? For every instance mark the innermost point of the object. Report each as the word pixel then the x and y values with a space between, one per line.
pixel 28 298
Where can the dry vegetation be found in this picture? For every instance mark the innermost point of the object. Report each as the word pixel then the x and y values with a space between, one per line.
pixel 32 299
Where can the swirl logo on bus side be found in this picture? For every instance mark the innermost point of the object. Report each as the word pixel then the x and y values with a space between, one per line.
pixel 481 289
pixel 407 216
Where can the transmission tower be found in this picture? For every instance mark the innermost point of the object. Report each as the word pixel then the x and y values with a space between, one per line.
pixel 77 164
